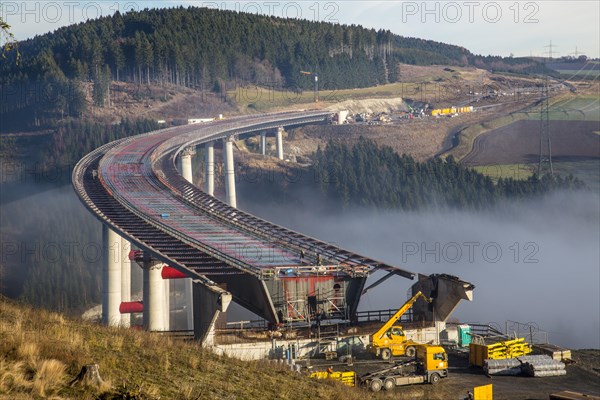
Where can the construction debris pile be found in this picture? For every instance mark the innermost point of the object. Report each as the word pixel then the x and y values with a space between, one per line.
pixel 537 366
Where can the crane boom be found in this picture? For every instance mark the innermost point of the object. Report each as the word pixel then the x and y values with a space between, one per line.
pixel 401 311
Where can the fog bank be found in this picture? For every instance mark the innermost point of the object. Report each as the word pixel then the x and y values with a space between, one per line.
pixel 535 261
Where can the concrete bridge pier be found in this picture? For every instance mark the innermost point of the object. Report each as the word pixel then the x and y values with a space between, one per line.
pixel 209 303
pixel 186 164
pixel 189 302
pixel 125 280
pixel 263 143
pixel 188 175
pixel 154 296
pixel 230 172
pixel 210 168
pixel 111 277
pixel 166 303
pixel 280 143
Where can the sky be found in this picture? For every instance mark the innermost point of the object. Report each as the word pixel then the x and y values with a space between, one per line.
pixel 502 27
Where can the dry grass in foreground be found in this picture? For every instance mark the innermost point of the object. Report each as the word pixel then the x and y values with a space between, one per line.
pixel 41 352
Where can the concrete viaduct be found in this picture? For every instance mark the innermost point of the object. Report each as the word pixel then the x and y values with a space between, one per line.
pixel 220 253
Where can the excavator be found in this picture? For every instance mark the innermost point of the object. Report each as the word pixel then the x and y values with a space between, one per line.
pixel 390 339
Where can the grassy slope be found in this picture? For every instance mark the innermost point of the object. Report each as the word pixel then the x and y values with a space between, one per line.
pixel 572 107
pixel 42 351
pixel 256 98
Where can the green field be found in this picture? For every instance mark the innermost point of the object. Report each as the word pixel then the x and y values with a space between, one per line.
pixel 515 171
pixel 575 108
pixel 588 171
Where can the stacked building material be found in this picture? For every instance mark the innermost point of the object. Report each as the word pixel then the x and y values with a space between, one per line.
pixel 542 365
pixel 538 365
pixel 508 349
pixel 507 366
pixel 497 351
pixel 557 353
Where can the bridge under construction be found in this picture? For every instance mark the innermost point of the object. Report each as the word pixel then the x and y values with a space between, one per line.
pixel 134 188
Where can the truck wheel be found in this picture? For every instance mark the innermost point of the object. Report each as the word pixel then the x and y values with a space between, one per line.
pixel 389 384
pixel 434 378
pixel 410 352
pixel 376 385
pixel 386 354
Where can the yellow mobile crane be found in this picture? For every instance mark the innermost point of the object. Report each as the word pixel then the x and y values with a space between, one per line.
pixel 390 339
pixel 316 83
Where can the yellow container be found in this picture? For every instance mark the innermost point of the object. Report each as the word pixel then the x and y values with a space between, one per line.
pixel 483 392
pixel 477 353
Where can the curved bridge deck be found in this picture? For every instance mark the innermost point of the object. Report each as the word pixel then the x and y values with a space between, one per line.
pixel 133 186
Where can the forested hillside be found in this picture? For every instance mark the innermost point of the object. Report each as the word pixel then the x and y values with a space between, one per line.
pixel 208 49
pixel 368 175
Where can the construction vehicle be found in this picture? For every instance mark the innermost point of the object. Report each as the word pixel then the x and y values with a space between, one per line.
pixel 390 339
pixel 430 365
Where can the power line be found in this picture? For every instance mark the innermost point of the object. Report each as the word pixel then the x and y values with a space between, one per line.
pixel 550 52
pixel 576 53
pixel 545 161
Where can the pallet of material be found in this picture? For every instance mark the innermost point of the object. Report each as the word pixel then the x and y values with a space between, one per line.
pixel 557 353
pixel 567 395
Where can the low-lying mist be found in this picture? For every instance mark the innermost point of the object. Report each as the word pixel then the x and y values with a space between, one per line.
pixel 536 261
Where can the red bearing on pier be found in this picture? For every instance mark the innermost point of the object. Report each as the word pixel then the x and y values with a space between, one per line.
pixel 171 273
pixel 129 307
